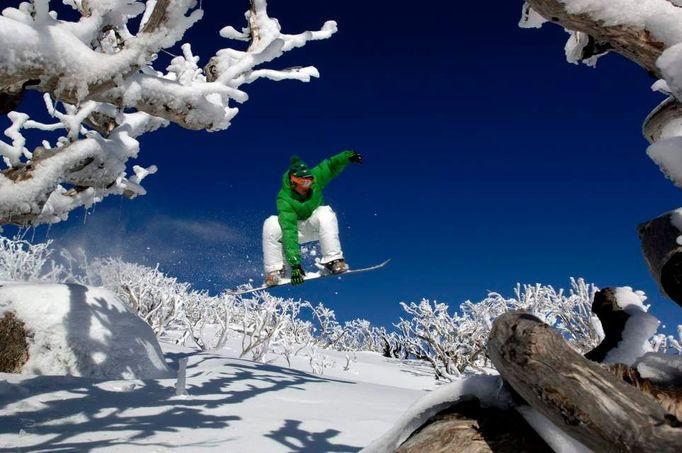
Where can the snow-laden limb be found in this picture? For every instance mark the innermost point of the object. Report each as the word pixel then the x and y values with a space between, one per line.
pixel 60 54
pixel 94 165
pixel 97 68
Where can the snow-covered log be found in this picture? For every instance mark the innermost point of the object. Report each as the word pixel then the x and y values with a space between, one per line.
pixel 94 71
pixel 661 240
pixel 469 426
pixel 628 34
pixel 577 395
pixel 613 320
pixel 648 33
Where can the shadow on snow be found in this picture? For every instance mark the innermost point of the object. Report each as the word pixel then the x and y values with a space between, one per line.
pixel 130 413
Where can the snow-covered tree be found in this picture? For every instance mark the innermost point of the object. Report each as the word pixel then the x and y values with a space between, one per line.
pixel 103 90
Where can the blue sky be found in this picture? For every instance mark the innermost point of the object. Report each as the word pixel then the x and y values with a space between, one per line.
pixel 489 161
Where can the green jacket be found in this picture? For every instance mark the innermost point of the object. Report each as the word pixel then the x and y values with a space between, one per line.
pixel 292 207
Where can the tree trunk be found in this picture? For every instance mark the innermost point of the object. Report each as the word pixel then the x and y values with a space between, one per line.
pixel 663 253
pixel 578 396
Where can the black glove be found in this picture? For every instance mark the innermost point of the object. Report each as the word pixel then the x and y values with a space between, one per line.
pixel 356 158
pixel 297 274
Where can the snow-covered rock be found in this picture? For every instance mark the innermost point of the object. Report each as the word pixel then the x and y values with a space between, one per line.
pixel 82 331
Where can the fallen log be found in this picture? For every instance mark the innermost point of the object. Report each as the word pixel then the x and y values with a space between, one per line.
pixel 467 427
pixel 661 245
pixel 577 395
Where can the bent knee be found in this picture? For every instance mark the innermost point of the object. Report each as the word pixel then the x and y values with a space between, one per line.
pixel 326 211
pixel 271 226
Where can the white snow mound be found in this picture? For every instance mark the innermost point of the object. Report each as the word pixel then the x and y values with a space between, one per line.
pixel 82 331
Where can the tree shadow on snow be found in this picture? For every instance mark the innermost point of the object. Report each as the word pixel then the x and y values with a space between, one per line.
pixel 82 413
pixel 128 413
pixel 118 413
pixel 298 440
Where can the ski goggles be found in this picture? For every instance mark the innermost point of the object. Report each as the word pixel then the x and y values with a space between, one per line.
pixel 303 182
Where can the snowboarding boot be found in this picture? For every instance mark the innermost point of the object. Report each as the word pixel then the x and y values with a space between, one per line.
pixel 273 278
pixel 337 266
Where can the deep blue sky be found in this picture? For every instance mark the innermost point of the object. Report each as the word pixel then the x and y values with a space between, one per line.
pixel 489 160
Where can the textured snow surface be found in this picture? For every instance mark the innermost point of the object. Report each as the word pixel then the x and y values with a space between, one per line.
pixel 232 405
pixel 82 331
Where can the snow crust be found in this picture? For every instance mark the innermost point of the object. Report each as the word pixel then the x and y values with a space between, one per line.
pixel 82 331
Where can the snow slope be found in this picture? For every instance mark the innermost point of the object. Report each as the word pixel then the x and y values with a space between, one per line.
pixel 232 405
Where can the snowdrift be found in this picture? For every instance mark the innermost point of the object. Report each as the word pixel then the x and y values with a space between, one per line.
pixel 81 331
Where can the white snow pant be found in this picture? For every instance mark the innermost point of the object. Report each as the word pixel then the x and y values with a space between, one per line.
pixel 320 226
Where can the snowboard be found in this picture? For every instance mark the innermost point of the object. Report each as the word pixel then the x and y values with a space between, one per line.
pixel 245 289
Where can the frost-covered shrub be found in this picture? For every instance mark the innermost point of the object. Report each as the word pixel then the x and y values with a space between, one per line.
pixel 271 324
pixel 668 343
pixel 23 261
pixel 455 343
pixel 156 298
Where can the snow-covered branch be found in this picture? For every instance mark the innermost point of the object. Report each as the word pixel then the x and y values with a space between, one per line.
pixel 94 71
pixel 648 33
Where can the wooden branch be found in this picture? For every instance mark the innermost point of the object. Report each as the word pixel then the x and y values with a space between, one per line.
pixel 663 253
pixel 613 319
pixel 49 83
pixel 633 43
pixel 466 426
pixel 660 117
pixel 577 395
pixel 669 396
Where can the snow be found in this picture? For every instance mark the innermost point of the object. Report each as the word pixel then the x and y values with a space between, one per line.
pixel 530 18
pixel 82 331
pixel 660 17
pixel 660 367
pixel 231 405
pixel 555 438
pixel 639 327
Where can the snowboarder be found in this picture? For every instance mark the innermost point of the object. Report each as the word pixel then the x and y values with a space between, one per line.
pixel 303 217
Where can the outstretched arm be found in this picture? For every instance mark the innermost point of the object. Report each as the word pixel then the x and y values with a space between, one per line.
pixel 330 168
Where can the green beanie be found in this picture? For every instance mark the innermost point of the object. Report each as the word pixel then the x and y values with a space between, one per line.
pixel 299 168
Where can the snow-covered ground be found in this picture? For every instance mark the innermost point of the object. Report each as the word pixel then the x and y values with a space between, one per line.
pixel 232 405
